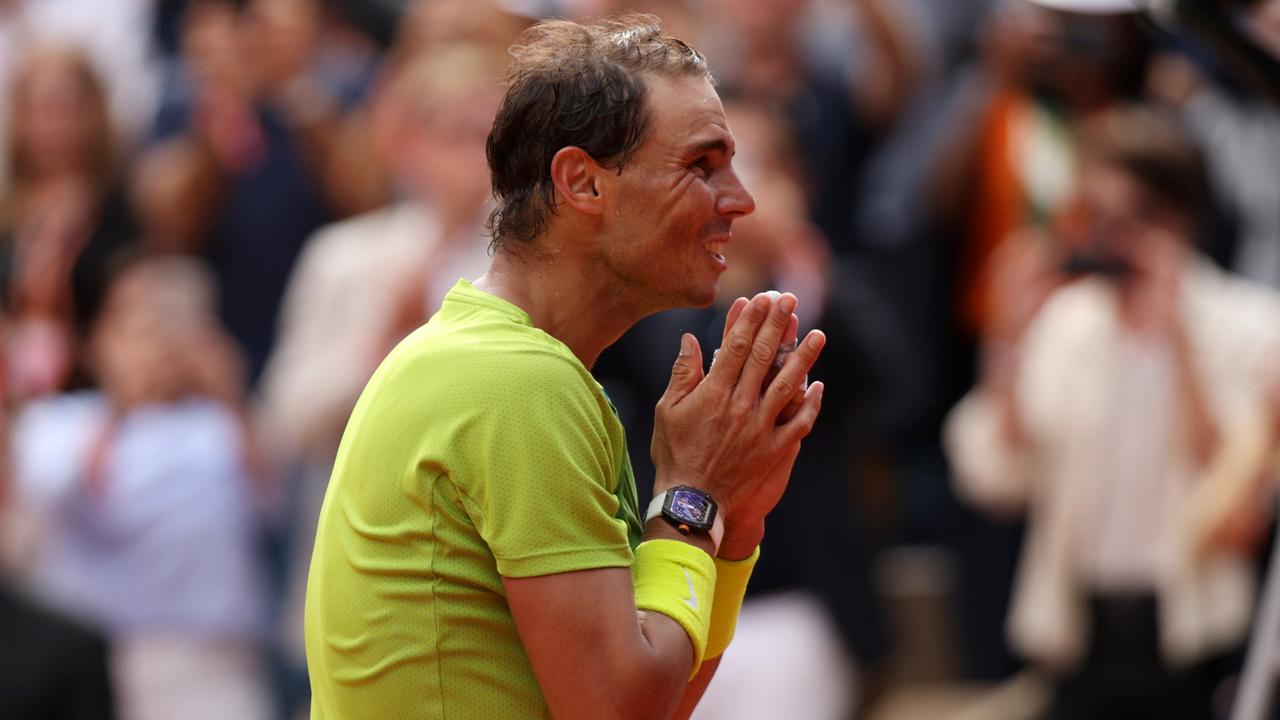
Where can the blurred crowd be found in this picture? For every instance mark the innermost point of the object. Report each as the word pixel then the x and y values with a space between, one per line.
pixel 1044 245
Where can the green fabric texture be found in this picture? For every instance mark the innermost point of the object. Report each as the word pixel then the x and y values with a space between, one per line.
pixel 481 448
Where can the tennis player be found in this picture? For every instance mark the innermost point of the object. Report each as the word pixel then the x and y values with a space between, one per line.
pixel 480 552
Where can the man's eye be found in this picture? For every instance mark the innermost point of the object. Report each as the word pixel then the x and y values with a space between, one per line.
pixel 701 167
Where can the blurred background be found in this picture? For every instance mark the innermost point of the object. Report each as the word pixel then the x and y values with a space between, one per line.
pixel 1044 244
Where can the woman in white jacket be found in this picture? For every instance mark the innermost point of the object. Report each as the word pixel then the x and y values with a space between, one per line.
pixel 1117 373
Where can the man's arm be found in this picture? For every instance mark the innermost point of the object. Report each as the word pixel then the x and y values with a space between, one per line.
pixel 594 655
pixel 697 686
pixel 580 651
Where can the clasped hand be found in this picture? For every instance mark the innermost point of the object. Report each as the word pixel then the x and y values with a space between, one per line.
pixel 735 431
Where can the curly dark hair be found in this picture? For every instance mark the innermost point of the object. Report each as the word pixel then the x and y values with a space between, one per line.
pixel 574 84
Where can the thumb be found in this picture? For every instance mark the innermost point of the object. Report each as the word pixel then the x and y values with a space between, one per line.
pixel 687 372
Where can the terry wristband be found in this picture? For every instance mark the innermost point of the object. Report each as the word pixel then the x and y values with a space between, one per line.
pixel 677 580
pixel 731 586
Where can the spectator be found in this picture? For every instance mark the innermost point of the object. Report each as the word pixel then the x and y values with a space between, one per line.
pixel 432 24
pixel 112 36
pixel 374 277
pixel 146 524
pixel 51 668
pixel 1047 70
pixel 1006 160
pixel 63 217
pixel 249 149
pixel 838 94
pixel 1100 413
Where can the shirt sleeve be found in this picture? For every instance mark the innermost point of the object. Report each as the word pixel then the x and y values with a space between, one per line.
pixel 51 440
pixel 540 472
pixel 987 471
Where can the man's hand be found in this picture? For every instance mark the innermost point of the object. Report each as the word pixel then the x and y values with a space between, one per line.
pixel 742 538
pixel 788 338
pixel 721 433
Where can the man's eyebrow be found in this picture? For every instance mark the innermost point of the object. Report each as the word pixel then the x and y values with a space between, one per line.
pixel 714 144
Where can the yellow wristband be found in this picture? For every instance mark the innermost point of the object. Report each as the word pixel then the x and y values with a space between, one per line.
pixel 731 586
pixel 677 580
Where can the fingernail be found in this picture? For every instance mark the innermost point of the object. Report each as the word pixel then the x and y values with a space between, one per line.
pixel 762 301
pixel 787 303
pixel 686 348
pixel 815 340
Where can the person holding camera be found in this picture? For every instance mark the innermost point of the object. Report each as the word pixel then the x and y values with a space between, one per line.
pixel 142 494
pixel 1118 365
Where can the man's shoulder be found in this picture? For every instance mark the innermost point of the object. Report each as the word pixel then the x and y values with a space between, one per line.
pixel 452 393
pixel 489 358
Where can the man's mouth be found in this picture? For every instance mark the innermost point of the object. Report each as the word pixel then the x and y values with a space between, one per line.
pixel 716 247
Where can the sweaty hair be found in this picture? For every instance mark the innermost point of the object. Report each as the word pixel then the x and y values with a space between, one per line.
pixel 574 84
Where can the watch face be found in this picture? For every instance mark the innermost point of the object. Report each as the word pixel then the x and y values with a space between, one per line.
pixel 690 506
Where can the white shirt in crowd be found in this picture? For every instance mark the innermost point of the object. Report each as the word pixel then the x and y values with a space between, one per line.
pixel 1110 488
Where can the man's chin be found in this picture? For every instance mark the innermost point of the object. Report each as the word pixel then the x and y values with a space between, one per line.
pixel 704 299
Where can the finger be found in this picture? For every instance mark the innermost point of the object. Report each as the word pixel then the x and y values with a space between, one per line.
pixel 686 373
pixel 791 378
pixel 737 346
pixel 793 406
pixel 792 331
pixel 799 426
pixel 764 349
pixel 789 338
pixel 734 311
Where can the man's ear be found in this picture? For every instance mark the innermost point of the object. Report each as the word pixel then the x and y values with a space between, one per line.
pixel 576 176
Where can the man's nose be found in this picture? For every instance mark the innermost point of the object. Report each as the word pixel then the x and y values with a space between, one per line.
pixel 734 199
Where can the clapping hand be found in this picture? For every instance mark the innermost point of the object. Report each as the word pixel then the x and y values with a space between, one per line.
pixel 728 431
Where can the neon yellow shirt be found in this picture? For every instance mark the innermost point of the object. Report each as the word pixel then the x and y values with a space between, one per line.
pixel 480 448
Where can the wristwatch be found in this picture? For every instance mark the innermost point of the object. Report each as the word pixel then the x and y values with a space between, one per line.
pixel 688 510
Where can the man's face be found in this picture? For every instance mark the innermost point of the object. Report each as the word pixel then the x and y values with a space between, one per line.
pixel 668 220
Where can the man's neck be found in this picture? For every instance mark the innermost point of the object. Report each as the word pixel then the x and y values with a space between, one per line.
pixel 564 298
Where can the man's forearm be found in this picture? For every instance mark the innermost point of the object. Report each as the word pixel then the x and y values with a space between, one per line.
pixel 696 688
pixel 739 544
pixel 733 571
